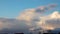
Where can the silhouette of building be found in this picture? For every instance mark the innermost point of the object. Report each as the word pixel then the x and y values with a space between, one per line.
pixel 19 33
pixel 39 33
pixel 49 32
pixel 3 33
pixel 59 33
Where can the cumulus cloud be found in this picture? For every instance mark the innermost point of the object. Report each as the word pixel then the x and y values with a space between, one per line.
pixel 27 14
pixel 51 21
pixel 33 15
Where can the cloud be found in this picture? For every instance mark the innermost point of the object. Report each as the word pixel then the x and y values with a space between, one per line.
pixel 51 21
pixel 33 15
pixel 43 9
pixel 13 25
pixel 27 14
pixel 52 5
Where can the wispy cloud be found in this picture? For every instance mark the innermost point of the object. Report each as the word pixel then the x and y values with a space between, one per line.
pixel 43 9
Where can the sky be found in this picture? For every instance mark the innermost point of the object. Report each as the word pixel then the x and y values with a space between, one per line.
pixel 12 8
pixel 27 15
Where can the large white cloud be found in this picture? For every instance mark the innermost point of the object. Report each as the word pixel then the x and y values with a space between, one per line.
pixel 51 21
